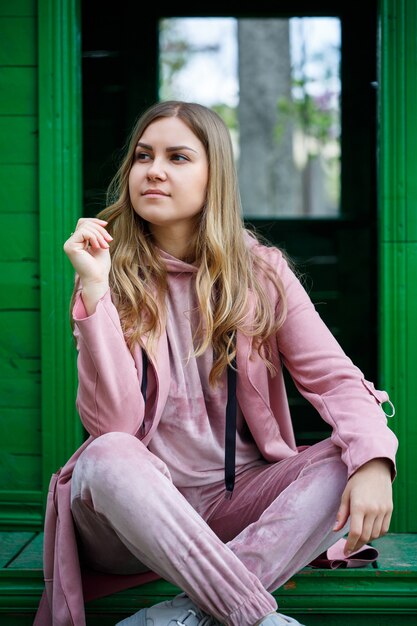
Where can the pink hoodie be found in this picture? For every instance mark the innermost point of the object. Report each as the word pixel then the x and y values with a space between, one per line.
pixel 109 399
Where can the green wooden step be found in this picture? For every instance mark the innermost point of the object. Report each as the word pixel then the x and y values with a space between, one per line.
pixel 382 594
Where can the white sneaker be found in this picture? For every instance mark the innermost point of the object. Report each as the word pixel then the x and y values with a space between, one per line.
pixel 278 619
pixel 181 611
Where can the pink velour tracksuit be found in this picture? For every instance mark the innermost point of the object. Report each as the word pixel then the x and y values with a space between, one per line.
pixel 145 494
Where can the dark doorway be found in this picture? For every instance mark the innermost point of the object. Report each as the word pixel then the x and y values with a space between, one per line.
pixel 336 255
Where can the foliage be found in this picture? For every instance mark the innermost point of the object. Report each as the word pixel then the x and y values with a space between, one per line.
pixel 228 114
pixel 174 54
pixel 315 115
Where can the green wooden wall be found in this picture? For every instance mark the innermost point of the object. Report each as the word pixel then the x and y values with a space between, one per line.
pixel 40 200
pixel 20 366
pixel 60 205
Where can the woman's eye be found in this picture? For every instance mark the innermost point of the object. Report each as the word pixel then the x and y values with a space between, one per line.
pixel 179 157
pixel 142 156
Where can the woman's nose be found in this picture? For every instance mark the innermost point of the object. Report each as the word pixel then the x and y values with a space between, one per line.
pixel 156 170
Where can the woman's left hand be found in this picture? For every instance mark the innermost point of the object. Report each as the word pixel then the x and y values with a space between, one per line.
pixel 367 499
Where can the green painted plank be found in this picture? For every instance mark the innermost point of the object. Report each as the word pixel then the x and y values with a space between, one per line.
pixel 336 598
pixel 22 339
pixel 19 360
pixel 23 497
pixel 12 516
pixel 21 509
pixel 397 551
pixel 393 548
pixel 399 363
pixel 19 188
pixel 22 618
pixel 25 395
pixel 18 140
pixel 20 281
pixel 18 86
pixel 19 239
pixel 324 591
pixel 61 204
pixel 398 124
pixel 397 164
pixel 409 92
pixel 11 543
pixel 14 8
pixel 19 384
pixel 18 41
pixel 13 367
pixel 31 556
pixel 20 431
pixel 21 471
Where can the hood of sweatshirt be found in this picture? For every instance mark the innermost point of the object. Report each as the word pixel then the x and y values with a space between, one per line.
pixel 177 266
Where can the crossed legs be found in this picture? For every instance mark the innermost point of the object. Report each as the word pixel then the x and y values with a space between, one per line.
pixel 279 519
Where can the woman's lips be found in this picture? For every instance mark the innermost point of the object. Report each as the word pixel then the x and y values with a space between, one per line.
pixel 154 192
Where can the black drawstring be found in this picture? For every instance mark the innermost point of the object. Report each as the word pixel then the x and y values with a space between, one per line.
pixel 144 385
pixel 230 431
pixel 230 427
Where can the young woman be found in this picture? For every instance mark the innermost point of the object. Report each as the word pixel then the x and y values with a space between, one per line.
pixel 183 321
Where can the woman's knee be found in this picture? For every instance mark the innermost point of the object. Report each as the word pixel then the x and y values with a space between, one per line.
pixel 111 448
pixel 113 443
pixel 112 456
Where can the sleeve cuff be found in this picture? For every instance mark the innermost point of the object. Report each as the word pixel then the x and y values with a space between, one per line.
pixel 79 311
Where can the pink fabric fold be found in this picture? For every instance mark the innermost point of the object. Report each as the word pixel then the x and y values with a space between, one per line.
pixel 335 557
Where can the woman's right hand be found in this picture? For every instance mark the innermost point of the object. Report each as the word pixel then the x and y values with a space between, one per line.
pixel 88 250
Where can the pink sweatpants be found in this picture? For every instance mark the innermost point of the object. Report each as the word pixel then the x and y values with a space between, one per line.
pixel 227 555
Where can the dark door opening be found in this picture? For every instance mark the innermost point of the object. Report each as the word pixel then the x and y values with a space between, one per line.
pixel 336 254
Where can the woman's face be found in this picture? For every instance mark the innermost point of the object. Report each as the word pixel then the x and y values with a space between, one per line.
pixel 169 175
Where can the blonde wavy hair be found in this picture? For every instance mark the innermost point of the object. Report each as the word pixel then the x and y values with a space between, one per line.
pixel 227 268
